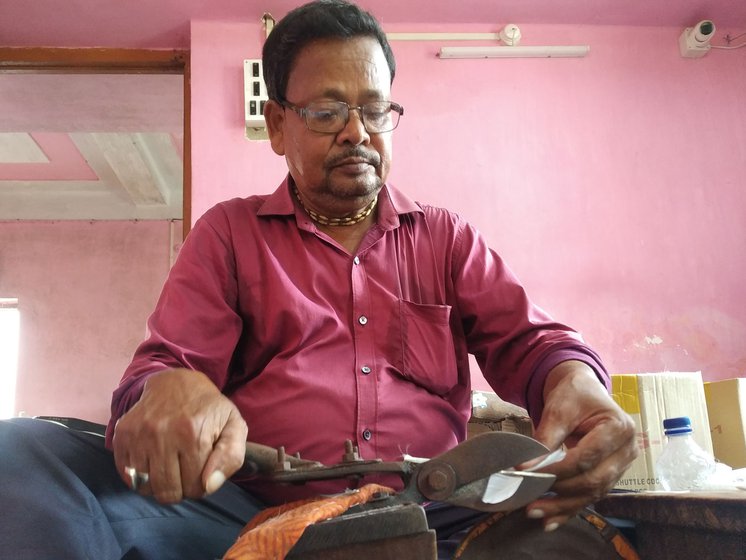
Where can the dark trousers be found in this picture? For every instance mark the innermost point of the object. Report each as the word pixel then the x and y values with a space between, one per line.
pixel 61 498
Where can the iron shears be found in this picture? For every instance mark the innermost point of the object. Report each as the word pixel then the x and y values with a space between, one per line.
pixel 480 473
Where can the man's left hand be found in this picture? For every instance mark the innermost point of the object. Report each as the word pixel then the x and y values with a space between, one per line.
pixel 598 434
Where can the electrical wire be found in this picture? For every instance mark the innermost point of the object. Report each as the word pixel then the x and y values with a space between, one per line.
pixel 729 40
pixel 728 48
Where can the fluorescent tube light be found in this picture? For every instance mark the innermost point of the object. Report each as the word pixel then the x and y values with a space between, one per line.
pixel 514 52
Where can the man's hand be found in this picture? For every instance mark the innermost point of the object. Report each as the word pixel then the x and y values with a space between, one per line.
pixel 184 433
pixel 600 440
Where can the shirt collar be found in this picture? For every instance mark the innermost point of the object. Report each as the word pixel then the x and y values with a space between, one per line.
pixel 279 203
pixel 392 203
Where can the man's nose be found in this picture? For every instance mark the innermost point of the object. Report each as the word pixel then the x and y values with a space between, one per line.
pixel 354 131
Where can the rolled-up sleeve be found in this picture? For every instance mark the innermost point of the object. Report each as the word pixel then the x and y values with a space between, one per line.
pixel 515 343
pixel 194 324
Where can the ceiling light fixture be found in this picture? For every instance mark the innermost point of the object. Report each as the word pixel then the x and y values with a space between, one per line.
pixel 510 35
pixel 514 52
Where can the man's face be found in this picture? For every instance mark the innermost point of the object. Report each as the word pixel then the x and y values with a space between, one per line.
pixel 352 163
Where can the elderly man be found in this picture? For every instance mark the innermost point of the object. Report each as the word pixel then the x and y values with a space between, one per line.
pixel 336 308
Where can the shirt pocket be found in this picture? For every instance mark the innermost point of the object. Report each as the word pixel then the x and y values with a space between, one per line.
pixel 428 354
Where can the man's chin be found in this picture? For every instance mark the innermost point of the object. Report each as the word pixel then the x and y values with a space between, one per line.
pixel 354 187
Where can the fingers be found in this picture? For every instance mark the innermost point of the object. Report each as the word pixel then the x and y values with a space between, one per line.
pixel 172 455
pixel 227 454
pixel 183 433
pixel 577 492
pixel 600 443
pixel 588 472
pixel 179 458
pixel 144 446
pixel 610 441
pixel 132 470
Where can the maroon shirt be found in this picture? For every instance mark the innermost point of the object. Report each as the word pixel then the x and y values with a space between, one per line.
pixel 316 345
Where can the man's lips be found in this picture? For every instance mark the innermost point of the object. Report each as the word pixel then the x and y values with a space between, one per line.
pixel 355 165
pixel 352 161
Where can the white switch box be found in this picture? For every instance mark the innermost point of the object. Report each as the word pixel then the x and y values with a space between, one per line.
pixel 255 96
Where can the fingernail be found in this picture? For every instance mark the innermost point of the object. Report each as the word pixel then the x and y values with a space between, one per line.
pixel 535 514
pixel 549 527
pixel 214 481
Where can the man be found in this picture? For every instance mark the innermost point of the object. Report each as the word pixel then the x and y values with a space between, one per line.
pixel 337 308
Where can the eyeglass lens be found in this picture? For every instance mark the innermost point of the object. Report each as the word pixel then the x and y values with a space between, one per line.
pixel 332 116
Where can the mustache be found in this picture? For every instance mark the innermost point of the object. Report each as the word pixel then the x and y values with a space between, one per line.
pixel 358 153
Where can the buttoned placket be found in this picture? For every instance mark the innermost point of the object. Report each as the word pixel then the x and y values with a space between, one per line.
pixel 366 382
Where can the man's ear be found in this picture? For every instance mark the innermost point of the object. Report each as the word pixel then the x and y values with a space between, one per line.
pixel 274 116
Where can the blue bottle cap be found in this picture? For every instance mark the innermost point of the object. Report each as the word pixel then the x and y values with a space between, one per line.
pixel 679 425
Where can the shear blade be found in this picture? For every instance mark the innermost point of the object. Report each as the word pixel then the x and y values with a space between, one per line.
pixel 529 488
pixel 488 453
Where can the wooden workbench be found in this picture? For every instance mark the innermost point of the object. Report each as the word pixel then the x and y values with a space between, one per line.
pixel 683 525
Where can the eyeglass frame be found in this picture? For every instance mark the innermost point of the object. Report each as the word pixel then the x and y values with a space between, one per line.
pixel 302 113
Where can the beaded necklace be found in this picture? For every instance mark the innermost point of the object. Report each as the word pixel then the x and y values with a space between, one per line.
pixel 346 221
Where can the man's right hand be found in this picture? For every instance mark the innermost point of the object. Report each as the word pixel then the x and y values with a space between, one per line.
pixel 184 433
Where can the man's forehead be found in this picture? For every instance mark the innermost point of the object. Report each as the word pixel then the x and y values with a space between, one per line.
pixel 362 50
pixel 328 66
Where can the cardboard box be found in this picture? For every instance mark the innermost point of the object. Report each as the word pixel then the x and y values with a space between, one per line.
pixel 625 392
pixel 726 407
pixel 650 398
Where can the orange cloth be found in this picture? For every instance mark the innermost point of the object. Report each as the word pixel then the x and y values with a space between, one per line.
pixel 274 531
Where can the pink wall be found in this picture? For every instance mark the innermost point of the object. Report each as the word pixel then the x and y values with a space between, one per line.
pixel 612 184
pixel 85 290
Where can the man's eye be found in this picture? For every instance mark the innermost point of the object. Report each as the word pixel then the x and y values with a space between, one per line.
pixel 377 118
pixel 377 113
pixel 329 115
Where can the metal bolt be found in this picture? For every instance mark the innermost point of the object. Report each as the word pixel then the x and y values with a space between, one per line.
pixel 437 480
pixel 282 463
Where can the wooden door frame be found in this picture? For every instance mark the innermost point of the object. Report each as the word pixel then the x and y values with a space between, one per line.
pixel 113 61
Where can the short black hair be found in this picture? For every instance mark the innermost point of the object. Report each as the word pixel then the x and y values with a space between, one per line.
pixel 321 19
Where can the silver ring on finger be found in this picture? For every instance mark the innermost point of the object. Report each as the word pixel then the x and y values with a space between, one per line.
pixel 137 479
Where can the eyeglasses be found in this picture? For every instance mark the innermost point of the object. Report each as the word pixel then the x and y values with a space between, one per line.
pixel 330 117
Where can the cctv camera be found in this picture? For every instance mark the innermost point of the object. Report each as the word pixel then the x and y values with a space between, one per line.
pixel 704 31
pixel 694 42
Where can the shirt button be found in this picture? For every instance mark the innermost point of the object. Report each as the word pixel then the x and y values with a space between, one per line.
pixel 367 434
pixel 363 319
pixel 365 370
pixel 356 260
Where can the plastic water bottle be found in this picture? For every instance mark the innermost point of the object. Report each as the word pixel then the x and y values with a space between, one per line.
pixel 683 465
